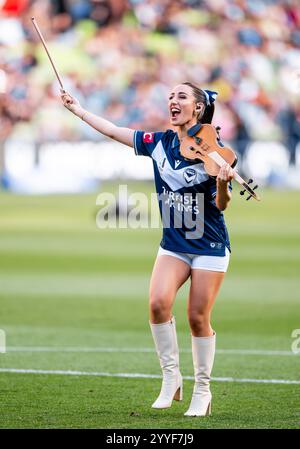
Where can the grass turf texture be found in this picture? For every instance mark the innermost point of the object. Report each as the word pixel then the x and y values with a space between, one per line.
pixel 63 282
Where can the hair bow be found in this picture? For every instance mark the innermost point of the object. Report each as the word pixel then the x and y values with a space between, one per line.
pixel 210 96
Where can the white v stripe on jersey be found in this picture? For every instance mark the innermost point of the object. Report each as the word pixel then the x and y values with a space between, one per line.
pixel 176 179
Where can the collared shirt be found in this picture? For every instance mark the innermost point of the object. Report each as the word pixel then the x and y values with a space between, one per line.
pixel 192 223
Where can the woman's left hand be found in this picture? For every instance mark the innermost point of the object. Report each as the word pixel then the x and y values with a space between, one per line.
pixel 225 173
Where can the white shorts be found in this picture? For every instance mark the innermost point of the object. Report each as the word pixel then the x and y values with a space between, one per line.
pixel 196 261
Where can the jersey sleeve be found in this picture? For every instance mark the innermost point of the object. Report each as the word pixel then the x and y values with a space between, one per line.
pixel 145 142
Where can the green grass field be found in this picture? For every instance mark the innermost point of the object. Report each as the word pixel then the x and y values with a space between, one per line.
pixel 74 298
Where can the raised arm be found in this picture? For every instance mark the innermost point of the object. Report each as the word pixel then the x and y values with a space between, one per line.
pixel 109 129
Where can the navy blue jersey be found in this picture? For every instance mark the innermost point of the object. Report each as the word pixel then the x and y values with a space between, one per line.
pixel 192 223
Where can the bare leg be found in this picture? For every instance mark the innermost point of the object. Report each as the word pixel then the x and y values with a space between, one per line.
pixel 169 273
pixel 203 291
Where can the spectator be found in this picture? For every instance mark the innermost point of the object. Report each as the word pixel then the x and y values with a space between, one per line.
pixel 135 50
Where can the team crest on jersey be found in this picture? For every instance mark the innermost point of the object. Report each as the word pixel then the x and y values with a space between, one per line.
pixel 148 137
pixel 189 175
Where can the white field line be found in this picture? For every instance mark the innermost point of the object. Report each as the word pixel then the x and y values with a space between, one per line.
pixel 142 376
pixel 140 350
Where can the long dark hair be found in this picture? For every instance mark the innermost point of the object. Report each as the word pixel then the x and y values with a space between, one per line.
pixel 200 97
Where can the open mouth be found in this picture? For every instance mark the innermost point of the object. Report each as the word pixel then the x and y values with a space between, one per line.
pixel 175 112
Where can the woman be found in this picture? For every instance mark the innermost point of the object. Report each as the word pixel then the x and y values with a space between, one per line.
pixel 204 257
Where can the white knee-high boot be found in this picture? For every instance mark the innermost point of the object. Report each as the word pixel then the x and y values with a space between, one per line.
pixel 165 340
pixel 203 349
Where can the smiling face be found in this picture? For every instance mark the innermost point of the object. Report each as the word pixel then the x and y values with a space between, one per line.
pixel 182 106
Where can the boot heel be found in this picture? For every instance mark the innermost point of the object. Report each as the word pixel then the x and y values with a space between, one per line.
pixel 208 411
pixel 179 394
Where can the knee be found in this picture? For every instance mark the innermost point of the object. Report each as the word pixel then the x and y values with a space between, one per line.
pixel 159 309
pixel 199 323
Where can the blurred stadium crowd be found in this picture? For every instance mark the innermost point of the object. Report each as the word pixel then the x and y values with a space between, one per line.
pixel 120 58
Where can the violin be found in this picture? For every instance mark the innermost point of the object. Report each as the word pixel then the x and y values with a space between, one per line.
pixel 202 143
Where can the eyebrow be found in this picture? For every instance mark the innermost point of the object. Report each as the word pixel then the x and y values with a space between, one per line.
pixel 172 93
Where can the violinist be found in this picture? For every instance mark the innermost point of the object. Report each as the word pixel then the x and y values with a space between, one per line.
pixel 184 187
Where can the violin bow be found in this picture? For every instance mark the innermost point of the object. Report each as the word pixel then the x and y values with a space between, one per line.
pixel 34 23
pixel 215 156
